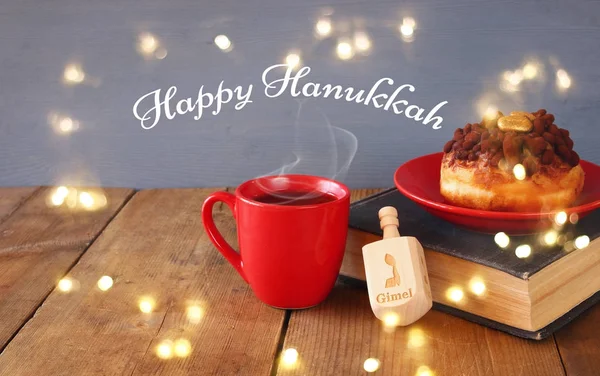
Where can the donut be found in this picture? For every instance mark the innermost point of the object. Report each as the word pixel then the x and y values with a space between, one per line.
pixel 521 162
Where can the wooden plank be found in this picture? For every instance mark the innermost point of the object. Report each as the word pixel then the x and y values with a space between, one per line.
pixel 342 333
pixel 579 344
pixel 38 244
pixel 155 247
pixel 12 198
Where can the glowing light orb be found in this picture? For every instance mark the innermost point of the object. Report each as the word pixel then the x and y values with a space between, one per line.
pixel 477 286
pixel 416 338
pixel 502 239
pixel 292 60
pixel 455 294
pixel 562 79
pixel 574 218
pixel 519 172
pixel 391 319
pixel 57 199
pixel 523 251
pixel 407 30
pixel 194 314
pixel 105 282
pixel 371 365
pixel 164 350
pixel 323 27
pixel 344 50
pixel 409 21
pixel 424 371
pixel 86 199
pixel 73 74
pixel 146 305
pixel 289 356
pixel 530 71
pixel 551 237
pixel 362 41
pixel 147 43
pixel 515 78
pixel 582 241
pixel 490 112
pixel 182 348
pixel 66 125
pixel 223 42
pixel 65 285
pixel 560 218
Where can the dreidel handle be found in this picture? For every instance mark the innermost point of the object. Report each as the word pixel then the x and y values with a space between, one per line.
pixel 388 221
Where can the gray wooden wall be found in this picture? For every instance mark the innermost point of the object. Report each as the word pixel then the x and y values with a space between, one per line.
pixel 459 52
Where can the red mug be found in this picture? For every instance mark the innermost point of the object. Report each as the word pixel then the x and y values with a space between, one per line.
pixel 290 253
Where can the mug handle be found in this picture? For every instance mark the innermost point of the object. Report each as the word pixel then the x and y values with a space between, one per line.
pixel 215 236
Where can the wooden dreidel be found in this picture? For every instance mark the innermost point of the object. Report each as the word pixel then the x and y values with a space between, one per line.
pixel 396 274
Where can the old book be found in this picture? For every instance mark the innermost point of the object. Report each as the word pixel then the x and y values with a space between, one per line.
pixel 473 277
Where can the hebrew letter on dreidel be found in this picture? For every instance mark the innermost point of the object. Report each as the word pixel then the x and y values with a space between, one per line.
pixel 395 280
pixel 406 294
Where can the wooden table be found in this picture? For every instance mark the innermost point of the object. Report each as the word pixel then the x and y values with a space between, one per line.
pixel 152 245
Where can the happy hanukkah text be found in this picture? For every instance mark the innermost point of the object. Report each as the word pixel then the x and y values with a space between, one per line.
pixel 158 103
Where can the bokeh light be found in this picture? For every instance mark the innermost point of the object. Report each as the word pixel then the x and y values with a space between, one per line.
pixel 455 294
pixel 289 357
pixel 563 80
pixel 523 251
pixel 560 218
pixel 58 197
pixel 148 43
pixel 407 28
pixel 293 60
pixel 477 286
pixel 73 74
pixel 182 348
pixel 344 50
pixel 574 218
pixel 146 304
pixel 150 47
pixel 424 371
pixel 371 365
pixel 223 43
pixel 502 239
pixel 416 338
pixel 194 313
pixel 164 350
pixel 65 285
pixel 362 42
pixel 490 112
pixel 86 199
pixel 323 27
pixel 519 172
pixel 391 319
pixel 530 70
pixel 582 241
pixel 551 237
pixel 105 282
pixel 62 124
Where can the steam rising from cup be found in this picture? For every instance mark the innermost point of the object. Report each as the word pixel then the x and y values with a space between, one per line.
pixel 319 149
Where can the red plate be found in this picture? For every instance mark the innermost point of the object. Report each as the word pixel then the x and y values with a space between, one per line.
pixel 419 180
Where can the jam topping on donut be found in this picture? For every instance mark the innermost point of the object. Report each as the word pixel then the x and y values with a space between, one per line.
pixel 521 137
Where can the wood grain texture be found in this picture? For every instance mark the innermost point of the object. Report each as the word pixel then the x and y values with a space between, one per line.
pixel 342 333
pixel 38 245
pixel 12 198
pixel 579 344
pixel 155 248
